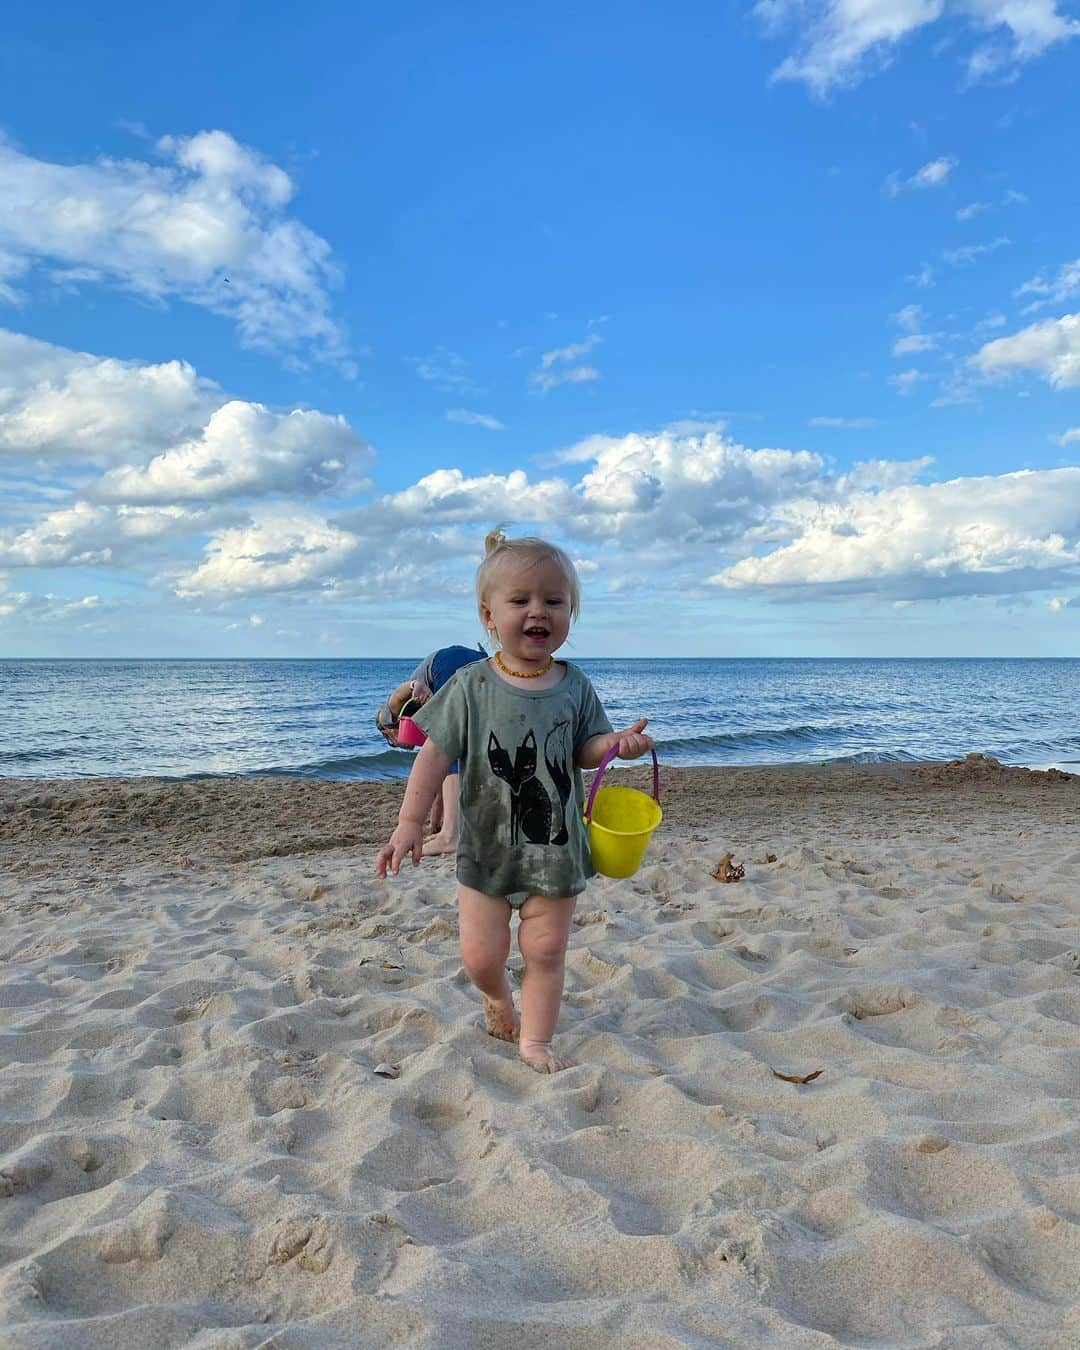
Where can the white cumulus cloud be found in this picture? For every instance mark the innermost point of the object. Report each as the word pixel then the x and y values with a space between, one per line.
pixel 967 536
pixel 1051 348
pixel 164 434
pixel 281 548
pixel 58 404
pixel 245 450
pixel 86 534
pixel 207 226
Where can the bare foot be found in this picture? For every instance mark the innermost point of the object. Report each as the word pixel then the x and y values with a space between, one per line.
pixel 439 843
pixel 540 1057
pixel 500 1020
pixel 547 1063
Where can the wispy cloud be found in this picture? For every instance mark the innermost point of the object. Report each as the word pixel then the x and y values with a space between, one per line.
pixel 556 366
pixel 839 44
pixel 923 278
pixel 1053 290
pixel 910 320
pixel 914 342
pixel 967 253
pixel 446 370
pixel 973 209
pixel 934 174
pixel 905 382
pixel 474 419
pixel 843 423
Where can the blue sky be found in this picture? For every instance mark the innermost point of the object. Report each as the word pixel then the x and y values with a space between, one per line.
pixel 769 314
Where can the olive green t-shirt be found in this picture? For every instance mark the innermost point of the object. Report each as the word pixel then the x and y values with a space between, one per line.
pixel 521 797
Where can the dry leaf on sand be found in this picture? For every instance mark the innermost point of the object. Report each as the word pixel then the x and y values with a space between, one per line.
pixel 388 1070
pixel 797 1077
pixel 726 870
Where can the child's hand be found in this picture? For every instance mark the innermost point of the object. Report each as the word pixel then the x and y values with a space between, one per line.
pixel 631 742
pixel 407 838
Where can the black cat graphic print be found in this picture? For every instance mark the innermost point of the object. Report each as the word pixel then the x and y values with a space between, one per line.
pixel 521 796
pixel 530 806
pixel 559 771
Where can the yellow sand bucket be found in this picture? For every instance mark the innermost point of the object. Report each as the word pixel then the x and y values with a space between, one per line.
pixel 620 821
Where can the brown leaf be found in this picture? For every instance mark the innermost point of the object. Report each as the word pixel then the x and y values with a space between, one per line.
pixel 390 965
pixel 797 1077
pixel 726 870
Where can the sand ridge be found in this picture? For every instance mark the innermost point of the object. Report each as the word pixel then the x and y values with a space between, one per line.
pixel 198 981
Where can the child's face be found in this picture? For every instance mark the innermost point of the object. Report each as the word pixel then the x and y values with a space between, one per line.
pixel 529 607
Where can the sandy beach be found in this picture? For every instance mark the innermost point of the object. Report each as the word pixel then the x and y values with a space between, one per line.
pixel 200 980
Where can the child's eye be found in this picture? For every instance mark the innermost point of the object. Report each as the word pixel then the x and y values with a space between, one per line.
pixel 556 600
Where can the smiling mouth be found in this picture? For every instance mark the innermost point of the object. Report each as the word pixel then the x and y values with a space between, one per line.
pixel 538 633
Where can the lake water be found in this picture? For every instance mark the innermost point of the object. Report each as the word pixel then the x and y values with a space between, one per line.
pixel 70 719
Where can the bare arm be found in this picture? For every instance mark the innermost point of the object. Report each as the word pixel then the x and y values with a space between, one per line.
pixel 632 744
pixel 428 771
pixel 399 698
pixel 424 783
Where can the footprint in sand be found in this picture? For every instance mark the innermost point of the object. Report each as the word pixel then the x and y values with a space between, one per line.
pixel 878 1002
pixel 305 1240
pixel 143 1234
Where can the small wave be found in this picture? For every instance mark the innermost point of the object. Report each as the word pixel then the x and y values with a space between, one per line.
pixel 1025 752
pixel 877 757
pixel 32 756
pixel 384 764
pixel 771 737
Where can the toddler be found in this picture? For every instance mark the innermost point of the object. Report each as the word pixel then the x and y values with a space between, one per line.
pixel 523 726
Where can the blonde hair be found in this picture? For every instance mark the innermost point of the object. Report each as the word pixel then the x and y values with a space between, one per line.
pixel 498 551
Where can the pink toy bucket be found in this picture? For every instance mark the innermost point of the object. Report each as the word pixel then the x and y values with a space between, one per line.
pixel 408 733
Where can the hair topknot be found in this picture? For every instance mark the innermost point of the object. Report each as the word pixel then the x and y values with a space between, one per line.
pixel 494 539
pixel 498 549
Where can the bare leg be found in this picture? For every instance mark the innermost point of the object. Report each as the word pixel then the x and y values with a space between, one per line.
pixel 484 926
pixel 542 937
pixel 444 840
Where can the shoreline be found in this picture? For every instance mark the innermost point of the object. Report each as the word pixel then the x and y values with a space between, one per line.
pixel 1064 766
pixel 235 819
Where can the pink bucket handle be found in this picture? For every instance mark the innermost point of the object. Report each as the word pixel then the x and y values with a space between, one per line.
pixel 600 773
